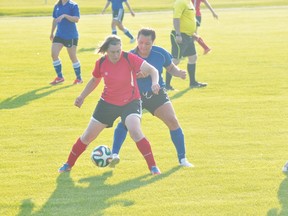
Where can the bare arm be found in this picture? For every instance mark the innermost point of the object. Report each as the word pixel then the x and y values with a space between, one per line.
pixel 211 9
pixel 148 69
pixel 175 71
pixel 74 19
pixel 53 29
pixel 176 24
pixel 91 85
pixel 105 7
pixel 130 9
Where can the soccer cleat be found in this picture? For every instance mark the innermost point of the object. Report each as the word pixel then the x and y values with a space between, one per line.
pixel 77 81
pixel 132 40
pixel 198 85
pixel 64 168
pixel 155 170
pixel 169 88
pixel 57 80
pixel 206 51
pixel 285 167
pixel 115 160
pixel 185 163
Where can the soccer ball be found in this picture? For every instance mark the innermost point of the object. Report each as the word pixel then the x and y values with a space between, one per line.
pixel 101 156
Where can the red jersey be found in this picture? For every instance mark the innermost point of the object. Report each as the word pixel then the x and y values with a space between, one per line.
pixel 120 85
pixel 196 4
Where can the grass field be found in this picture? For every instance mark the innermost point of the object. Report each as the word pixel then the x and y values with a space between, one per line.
pixel 236 129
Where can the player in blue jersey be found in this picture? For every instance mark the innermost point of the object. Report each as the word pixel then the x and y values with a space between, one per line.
pixel 65 16
pixel 158 105
pixel 118 15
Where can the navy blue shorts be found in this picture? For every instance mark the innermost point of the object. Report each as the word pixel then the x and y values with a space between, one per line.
pixel 118 15
pixel 67 43
pixel 107 113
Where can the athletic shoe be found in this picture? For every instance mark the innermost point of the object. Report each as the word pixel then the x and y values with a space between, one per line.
pixel 132 40
pixel 198 85
pixel 285 167
pixel 206 51
pixel 57 80
pixel 115 160
pixel 169 88
pixel 155 170
pixel 77 81
pixel 64 168
pixel 184 162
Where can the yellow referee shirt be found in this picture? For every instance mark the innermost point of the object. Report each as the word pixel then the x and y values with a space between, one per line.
pixel 185 11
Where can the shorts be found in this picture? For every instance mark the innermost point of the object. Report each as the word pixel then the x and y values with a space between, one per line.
pixel 67 43
pixel 118 15
pixel 198 21
pixel 152 101
pixel 186 48
pixel 107 113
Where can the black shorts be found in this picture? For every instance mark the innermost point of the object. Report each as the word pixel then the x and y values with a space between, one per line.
pixel 186 48
pixel 152 101
pixel 118 15
pixel 198 21
pixel 67 43
pixel 107 113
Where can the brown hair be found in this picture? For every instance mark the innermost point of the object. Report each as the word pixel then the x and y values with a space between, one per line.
pixel 147 32
pixel 110 40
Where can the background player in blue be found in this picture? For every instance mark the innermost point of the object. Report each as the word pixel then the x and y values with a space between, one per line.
pixel 158 105
pixel 65 16
pixel 118 15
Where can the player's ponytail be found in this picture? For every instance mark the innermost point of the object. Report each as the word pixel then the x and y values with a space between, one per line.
pixel 110 40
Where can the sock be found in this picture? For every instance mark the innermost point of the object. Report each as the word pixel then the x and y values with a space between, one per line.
pixel 77 69
pixel 77 149
pixel 58 68
pixel 145 148
pixel 177 137
pixel 120 134
pixel 202 43
pixel 114 31
pixel 127 33
pixel 168 79
pixel 191 71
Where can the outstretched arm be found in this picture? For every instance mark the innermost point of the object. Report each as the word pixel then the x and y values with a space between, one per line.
pixel 130 9
pixel 175 71
pixel 105 7
pixel 210 8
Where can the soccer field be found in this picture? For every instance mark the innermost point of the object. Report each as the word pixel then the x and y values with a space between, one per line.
pixel 235 129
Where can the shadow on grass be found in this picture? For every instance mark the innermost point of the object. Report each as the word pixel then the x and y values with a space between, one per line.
pixel 17 101
pixel 179 94
pixel 86 50
pixel 283 199
pixel 92 198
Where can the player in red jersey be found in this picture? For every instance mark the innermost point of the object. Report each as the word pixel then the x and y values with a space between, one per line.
pixel 120 98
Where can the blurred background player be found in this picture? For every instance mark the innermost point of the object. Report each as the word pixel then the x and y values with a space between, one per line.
pixel 158 105
pixel 285 167
pixel 65 16
pixel 118 16
pixel 120 98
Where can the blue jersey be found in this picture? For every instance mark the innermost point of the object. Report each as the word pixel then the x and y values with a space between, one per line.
pixel 159 58
pixel 117 4
pixel 65 29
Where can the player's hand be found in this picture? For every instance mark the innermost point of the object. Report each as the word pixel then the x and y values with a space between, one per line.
pixel 155 88
pixel 132 13
pixel 182 74
pixel 178 39
pixel 79 101
pixel 59 19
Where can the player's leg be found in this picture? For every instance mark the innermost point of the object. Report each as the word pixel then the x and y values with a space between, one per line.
pixel 75 62
pixel 121 26
pixel 55 50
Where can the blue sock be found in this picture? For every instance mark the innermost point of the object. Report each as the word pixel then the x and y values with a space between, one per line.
pixel 177 137
pixel 58 68
pixel 77 69
pixel 120 134
pixel 127 33
pixel 114 31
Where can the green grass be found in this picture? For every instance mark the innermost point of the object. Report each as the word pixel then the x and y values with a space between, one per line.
pixel 236 129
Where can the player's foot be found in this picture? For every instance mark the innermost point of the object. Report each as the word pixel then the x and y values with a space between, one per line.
pixel 57 80
pixel 64 168
pixel 206 51
pixel 155 170
pixel 198 85
pixel 184 162
pixel 114 161
pixel 77 81
pixel 169 88
pixel 132 40
pixel 285 167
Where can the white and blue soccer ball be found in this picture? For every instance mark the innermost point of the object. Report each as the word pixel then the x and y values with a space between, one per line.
pixel 101 156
